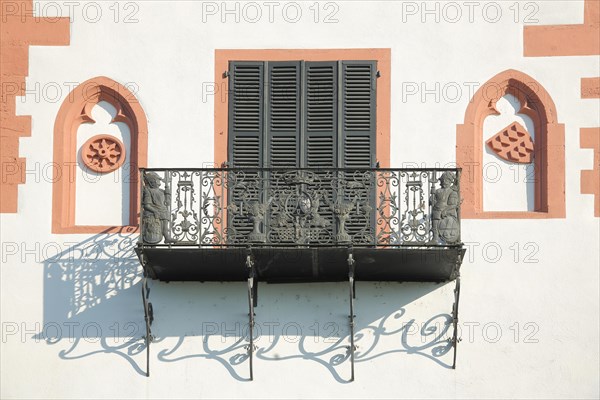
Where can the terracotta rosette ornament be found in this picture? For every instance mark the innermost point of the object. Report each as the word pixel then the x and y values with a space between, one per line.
pixel 513 144
pixel 103 153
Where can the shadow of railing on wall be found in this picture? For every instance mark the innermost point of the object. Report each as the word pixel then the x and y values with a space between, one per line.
pixel 92 306
pixel 91 297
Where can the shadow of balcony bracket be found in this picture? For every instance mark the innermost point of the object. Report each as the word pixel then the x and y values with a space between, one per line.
pixel 455 339
pixel 456 276
pixel 148 317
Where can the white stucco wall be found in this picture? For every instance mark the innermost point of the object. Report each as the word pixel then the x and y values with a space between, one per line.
pixel 71 311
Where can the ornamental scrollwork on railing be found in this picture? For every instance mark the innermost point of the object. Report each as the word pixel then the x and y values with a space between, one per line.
pixel 301 207
pixel 358 188
pixel 388 210
pixel 184 217
pixel 415 226
pixel 211 206
pixel 297 207
pixel 245 208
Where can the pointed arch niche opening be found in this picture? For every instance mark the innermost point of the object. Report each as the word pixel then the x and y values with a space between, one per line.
pixel 76 110
pixel 549 149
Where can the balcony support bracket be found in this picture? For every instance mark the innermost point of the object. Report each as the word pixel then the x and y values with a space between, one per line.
pixel 352 287
pixel 252 300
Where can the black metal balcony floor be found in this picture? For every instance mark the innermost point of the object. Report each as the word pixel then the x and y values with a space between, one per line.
pixel 317 264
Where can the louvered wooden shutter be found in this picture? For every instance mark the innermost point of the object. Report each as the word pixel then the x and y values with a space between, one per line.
pixel 283 114
pixel 358 113
pixel 320 137
pixel 358 140
pixel 283 136
pixel 246 114
pixel 320 104
pixel 246 119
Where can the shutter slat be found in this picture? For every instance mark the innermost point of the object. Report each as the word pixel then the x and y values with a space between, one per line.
pixel 283 151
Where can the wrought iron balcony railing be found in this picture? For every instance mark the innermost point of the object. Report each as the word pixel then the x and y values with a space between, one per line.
pixel 300 207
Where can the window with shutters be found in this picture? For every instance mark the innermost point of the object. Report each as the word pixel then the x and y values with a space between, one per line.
pixel 302 114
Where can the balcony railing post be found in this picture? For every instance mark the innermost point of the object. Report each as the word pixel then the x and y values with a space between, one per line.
pixel 432 182
pixel 220 213
pixel 200 204
pixel 167 178
pixel 141 198
pixel 458 178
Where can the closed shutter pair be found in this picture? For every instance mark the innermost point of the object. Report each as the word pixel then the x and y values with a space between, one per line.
pixel 302 114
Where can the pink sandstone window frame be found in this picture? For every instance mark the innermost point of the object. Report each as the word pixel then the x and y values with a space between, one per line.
pixel 537 104
pixel 76 110
pixel 382 55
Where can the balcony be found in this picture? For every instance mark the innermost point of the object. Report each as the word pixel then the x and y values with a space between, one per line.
pixel 297 222
pixel 300 225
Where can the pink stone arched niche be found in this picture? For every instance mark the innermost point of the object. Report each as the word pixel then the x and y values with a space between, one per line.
pixel 549 153
pixel 76 110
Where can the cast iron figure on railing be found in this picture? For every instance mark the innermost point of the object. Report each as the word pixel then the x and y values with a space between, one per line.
pixel 155 210
pixel 301 207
